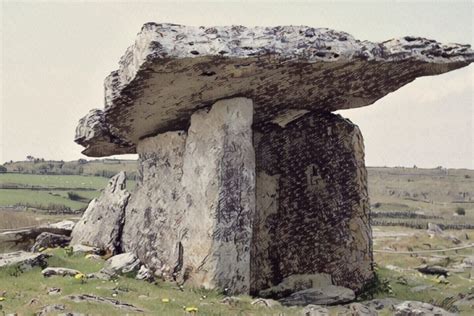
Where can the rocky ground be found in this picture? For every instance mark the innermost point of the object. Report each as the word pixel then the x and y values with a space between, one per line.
pixel 64 280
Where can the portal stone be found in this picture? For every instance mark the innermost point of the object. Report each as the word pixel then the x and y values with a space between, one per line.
pixel 190 215
pixel 312 203
pixel 219 181
pixel 154 214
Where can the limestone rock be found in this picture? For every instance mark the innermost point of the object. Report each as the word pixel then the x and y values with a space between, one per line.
pixel 265 302
pixel 153 214
pixel 315 310
pixel 83 249
pixel 25 260
pixel 356 309
pixel 219 179
pixel 101 224
pixel 58 271
pixel 123 263
pixel 144 274
pixel 328 295
pixel 173 70
pixel 312 202
pixel 412 308
pixel 49 240
pixel 295 283
pixel 192 210
pixel 432 269
pixel 60 228
pixel 88 298
pixel 51 309
pixel 434 230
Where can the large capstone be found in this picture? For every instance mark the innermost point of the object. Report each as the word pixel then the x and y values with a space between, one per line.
pixel 312 202
pixel 173 70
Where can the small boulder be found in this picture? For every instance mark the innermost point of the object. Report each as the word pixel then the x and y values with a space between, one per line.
pixel 436 270
pixel 25 260
pixel 265 302
pixel 315 310
pixel 51 309
pixel 59 271
pixel 328 295
pixel 356 309
pixel 54 291
pixel 144 274
pixel 83 249
pixel 50 240
pixel 434 230
pixel 124 263
pixel 412 308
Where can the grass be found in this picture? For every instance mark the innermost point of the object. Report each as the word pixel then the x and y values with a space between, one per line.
pixel 42 191
pixel 38 199
pixel 54 181
pixel 148 296
pixel 404 278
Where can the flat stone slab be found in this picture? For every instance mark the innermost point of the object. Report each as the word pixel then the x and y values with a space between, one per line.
pixel 23 258
pixel 173 70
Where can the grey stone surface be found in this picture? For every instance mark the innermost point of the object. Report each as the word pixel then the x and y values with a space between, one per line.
pixel 102 222
pixel 356 309
pixel 295 283
pixel 312 212
pixel 190 216
pixel 23 259
pixel 83 249
pixel 412 308
pixel 88 298
pixel 154 213
pixel 173 70
pixel 58 271
pixel 219 179
pixel 49 240
pixel 328 295
pixel 123 263
pixel 315 310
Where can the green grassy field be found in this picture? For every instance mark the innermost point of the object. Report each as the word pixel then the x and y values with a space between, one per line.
pixel 22 288
pixel 47 191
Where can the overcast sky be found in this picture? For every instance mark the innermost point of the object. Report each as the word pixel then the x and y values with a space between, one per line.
pixel 55 56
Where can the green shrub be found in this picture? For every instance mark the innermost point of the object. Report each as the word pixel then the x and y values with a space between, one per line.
pixel 460 211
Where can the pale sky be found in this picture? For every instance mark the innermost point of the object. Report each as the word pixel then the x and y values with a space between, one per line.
pixel 55 56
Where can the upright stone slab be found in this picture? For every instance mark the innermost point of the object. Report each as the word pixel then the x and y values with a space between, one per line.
pixel 102 222
pixel 312 203
pixel 219 180
pixel 154 214
pixel 191 214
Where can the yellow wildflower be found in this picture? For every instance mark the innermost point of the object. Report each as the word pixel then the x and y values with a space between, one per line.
pixel 191 309
pixel 165 300
pixel 79 276
pixel 2 298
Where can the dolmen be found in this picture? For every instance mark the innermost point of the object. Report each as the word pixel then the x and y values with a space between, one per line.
pixel 246 176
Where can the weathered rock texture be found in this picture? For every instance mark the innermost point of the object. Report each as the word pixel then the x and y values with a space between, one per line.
pixel 102 222
pixel 190 216
pixel 173 70
pixel 211 208
pixel 312 202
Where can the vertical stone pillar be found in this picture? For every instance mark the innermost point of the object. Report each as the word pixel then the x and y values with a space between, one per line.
pixel 190 216
pixel 154 213
pixel 312 213
pixel 219 181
